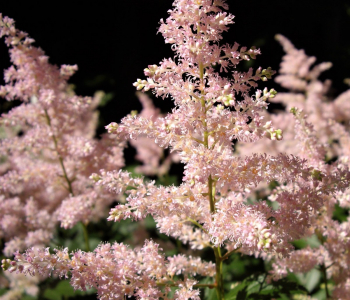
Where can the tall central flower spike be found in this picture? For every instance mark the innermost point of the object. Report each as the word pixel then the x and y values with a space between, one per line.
pixel 210 113
pixel 199 92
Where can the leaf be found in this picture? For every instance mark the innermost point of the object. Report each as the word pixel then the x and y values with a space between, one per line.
pixel 150 223
pixel 131 169
pixel 255 287
pixel 311 241
pixel 233 294
pixel 64 290
pixel 242 294
pixel 320 295
pixel 209 294
pixel 309 280
pixel 340 214
pixel 52 295
pixel 167 180
pixel 94 242
pixel 28 297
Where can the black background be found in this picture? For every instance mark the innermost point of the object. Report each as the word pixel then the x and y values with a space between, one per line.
pixel 112 42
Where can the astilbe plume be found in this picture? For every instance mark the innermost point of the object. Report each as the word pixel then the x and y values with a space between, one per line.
pixel 329 117
pixel 49 150
pixel 321 135
pixel 209 208
pixel 116 270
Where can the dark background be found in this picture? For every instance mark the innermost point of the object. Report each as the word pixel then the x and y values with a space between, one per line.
pixel 112 42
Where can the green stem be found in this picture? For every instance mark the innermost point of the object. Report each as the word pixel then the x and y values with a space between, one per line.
pixel 211 193
pixel 229 253
pixel 197 140
pixel 211 196
pixel 65 175
pixel 70 189
pixel 197 224
pixel 199 285
pixel 86 237
pixel 323 267
pixel 324 271
pixel 219 282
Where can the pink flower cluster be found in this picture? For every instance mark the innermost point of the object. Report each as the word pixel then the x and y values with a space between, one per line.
pixel 45 179
pixel 116 270
pixel 321 129
pixel 49 150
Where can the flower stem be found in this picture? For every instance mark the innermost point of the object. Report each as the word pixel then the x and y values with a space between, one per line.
pixel 70 189
pixel 324 271
pixel 219 282
pixel 197 224
pixel 86 236
pixel 211 193
pixel 65 175
pixel 229 253
pixel 218 258
pixel 199 285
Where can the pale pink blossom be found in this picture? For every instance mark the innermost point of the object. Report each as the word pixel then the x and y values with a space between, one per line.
pixel 115 270
pixel 50 162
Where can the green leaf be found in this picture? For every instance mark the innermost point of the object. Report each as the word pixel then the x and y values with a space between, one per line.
pixel 94 242
pixel 240 266
pixel 167 180
pixel 255 287
pixel 209 294
pixel 240 287
pixel 309 280
pixel 28 297
pixel 311 241
pixel 150 223
pixel 340 214
pixel 64 290
pixel 320 295
pixel 131 169
pixel 52 295
pixel 242 294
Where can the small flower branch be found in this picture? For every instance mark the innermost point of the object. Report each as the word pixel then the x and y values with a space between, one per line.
pixel 227 255
pixel 197 140
pixel 197 224
pixel 54 138
pixel 199 285
pixel 65 175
